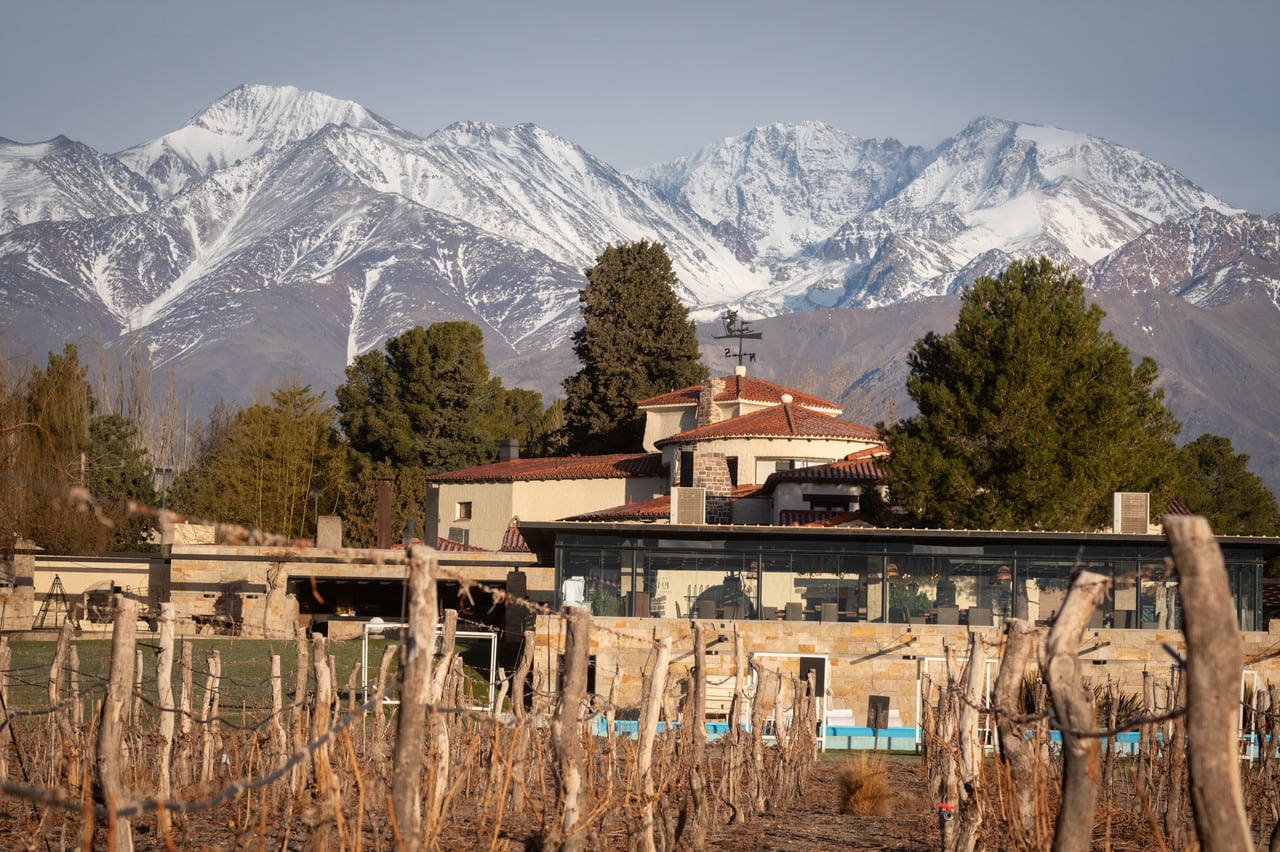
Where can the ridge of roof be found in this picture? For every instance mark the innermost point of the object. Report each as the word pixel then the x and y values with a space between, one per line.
pixel 746 389
pixel 780 421
pixel 612 466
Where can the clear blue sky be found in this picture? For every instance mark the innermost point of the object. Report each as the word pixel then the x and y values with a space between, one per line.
pixel 1190 84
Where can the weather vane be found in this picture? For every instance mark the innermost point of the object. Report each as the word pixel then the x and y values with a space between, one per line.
pixel 735 329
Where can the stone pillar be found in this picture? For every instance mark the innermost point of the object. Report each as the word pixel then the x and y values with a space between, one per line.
pixel 18 610
pixel 711 472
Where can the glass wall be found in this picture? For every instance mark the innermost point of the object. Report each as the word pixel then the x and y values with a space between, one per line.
pixel 897 582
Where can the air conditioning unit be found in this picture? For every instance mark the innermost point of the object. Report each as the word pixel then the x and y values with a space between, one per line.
pixel 1130 512
pixel 689 506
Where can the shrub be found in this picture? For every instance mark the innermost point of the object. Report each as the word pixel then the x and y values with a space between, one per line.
pixel 864 787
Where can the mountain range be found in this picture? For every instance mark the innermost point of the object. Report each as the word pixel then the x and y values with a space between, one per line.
pixel 282 232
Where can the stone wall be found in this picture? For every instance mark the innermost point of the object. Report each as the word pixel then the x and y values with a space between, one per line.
pixel 865 659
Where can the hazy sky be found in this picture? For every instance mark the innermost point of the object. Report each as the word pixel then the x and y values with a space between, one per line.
pixel 1190 84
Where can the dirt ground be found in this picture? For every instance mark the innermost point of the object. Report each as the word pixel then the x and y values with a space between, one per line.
pixel 817 823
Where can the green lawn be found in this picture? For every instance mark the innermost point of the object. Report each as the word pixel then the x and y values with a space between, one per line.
pixel 246 668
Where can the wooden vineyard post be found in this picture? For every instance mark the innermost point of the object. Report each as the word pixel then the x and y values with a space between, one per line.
pixel 279 736
pixel 756 787
pixel 969 811
pixel 648 733
pixel 184 718
pixel 77 698
pixel 406 774
pixel 111 728
pixel 1080 768
pixel 298 777
pixel 566 741
pixel 520 744
pixel 700 774
pixel 438 726
pixel 1214 660
pixel 6 658
pixel 164 700
pixel 70 750
pixel 1017 753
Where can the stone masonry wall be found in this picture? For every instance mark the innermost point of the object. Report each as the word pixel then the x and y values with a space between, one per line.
pixel 865 659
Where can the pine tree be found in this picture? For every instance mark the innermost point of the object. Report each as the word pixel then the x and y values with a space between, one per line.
pixel 636 341
pixel 1217 483
pixel 1029 416
pixel 428 401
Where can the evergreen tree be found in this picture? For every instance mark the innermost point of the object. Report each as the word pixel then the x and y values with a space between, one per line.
pixel 429 402
pixel 260 466
pixel 636 341
pixel 1217 483
pixel 118 471
pixel 1029 416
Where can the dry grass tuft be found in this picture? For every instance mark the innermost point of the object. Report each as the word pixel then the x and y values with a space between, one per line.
pixel 864 787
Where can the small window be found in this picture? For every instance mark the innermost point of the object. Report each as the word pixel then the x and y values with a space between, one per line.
pixel 686 469
pixel 464 512
pixel 732 463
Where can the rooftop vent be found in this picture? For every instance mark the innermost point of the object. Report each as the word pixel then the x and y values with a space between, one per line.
pixel 1130 512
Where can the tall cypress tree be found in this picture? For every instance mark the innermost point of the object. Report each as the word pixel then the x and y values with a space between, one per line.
pixel 1030 416
pixel 636 341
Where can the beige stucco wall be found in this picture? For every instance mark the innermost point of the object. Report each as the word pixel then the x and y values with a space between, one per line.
pixel 662 423
pixel 750 451
pixel 494 504
pixel 865 659
pixel 492 508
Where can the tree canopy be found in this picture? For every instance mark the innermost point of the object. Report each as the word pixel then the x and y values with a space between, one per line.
pixel 1216 482
pixel 636 341
pixel 427 401
pixel 269 466
pixel 1029 416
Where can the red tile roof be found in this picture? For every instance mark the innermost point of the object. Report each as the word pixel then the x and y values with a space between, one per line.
pixel 779 421
pixel 617 466
pixel 743 389
pixel 658 508
pixel 448 545
pixel 849 470
pixel 643 510
pixel 513 541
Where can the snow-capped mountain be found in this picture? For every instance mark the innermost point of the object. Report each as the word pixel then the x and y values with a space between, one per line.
pixel 60 179
pixel 242 124
pixel 283 231
pixel 848 222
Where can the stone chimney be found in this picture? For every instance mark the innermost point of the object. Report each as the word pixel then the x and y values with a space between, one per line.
pixel 508 449
pixel 708 411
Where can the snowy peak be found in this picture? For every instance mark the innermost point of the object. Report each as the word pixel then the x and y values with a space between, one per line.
pixel 785 186
pixel 277 115
pixel 244 123
pixel 60 180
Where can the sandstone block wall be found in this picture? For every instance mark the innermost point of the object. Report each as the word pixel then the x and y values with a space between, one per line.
pixel 865 659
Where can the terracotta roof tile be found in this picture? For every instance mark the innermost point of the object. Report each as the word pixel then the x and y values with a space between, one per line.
pixel 856 470
pixel 779 421
pixel 642 510
pixel 745 389
pixel 448 545
pixel 617 466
